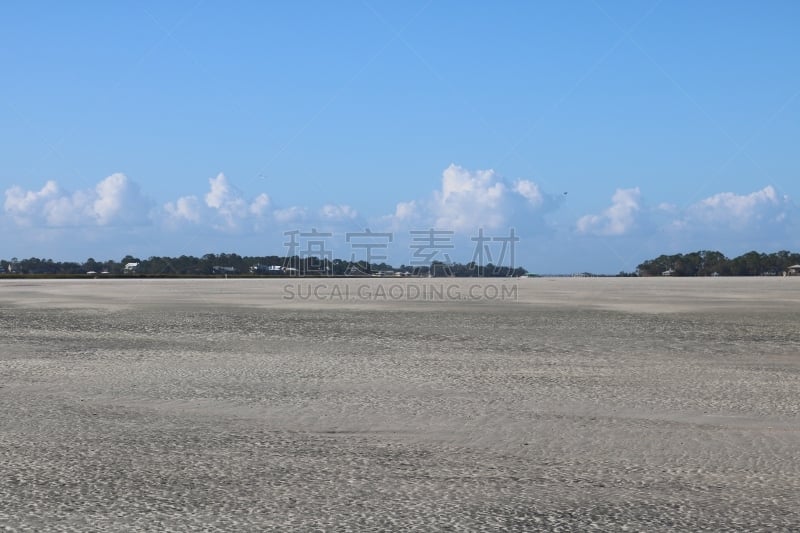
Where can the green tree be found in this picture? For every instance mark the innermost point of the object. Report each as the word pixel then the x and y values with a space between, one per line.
pixel 91 265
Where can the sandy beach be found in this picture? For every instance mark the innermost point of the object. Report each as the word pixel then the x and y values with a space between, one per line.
pixel 553 404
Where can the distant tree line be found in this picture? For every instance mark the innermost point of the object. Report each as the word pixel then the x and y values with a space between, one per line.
pixel 234 264
pixel 708 263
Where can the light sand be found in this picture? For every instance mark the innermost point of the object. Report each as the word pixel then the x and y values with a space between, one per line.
pixel 520 404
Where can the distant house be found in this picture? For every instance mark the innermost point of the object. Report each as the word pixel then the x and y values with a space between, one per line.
pixel 223 270
pixel 793 270
pixel 353 270
pixel 668 272
pixel 131 268
pixel 258 269
pixel 266 269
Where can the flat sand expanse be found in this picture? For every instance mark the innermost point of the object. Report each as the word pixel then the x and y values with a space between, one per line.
pixel 413 404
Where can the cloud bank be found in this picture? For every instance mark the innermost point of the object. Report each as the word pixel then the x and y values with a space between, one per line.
pixel 618 219
pixel 469 199
pixel 114 200
pixel 222 208
pixel 462 201
pixel 736 212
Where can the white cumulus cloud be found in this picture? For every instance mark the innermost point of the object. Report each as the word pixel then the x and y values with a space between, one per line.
pixel 337 212
pixel 229 205
pixel 184 208
pixel 290 214
pixel 739 211
pixel 405 213
pixel 222 207
pixel 617 219
pixel 470 199
pixel 114 200
pixel 259 205
pixel 22 204
pixel 405 210
pixel 760 220
pixel 530 191
pixel 117 198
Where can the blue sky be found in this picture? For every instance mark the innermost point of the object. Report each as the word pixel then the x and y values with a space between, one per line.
pixel 150 128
